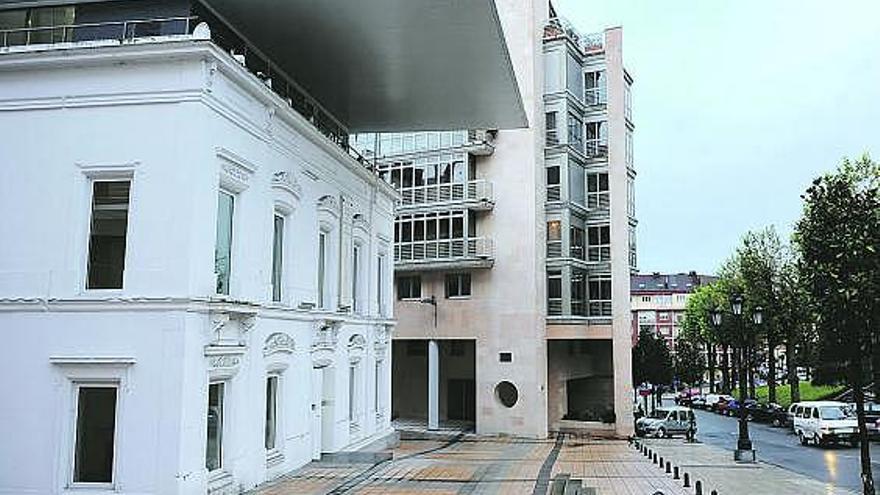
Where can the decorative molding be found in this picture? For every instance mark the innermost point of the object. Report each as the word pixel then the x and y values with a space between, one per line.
pixel 235 171
pixel 231 324
pixel 359 222
pixel 285 181
pixel 325 334
pixel 357 342
pixel 279 342
pixel 224 361
pixel 328 204
pixel 92 360
pixel 118 167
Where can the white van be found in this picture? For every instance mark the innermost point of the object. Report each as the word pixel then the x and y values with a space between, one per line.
pixel 825 422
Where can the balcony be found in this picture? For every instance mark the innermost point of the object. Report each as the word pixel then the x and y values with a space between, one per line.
pixel 480 142
pixel 444 254
pixel 596 148
pixel 175 29
pixel 473 195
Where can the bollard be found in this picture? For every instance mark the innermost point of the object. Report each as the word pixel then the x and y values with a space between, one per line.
pixel 714 492
pixel 655 458
pixel 668 467
pixel 675 475
pixel 661 462
pixel 698 487
pixel 687 480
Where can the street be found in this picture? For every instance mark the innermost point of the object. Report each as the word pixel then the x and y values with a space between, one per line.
pixel 837 465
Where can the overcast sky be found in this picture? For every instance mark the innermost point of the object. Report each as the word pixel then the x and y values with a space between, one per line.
pixel 737 106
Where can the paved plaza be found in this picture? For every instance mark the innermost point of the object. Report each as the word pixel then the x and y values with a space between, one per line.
pixel 472 465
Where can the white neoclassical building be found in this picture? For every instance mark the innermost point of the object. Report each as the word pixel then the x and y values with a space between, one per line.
pixel 195 268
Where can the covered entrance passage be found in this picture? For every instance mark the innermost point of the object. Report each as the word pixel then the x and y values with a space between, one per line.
pixel 580 380
pixel 433 384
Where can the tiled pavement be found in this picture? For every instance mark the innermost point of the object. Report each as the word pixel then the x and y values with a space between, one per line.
pixel 474 465
pixel 717 471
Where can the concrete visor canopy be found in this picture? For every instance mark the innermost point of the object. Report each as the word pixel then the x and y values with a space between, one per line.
pixel 384 65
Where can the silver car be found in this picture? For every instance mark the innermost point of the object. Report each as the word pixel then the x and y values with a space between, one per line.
pixel 666 421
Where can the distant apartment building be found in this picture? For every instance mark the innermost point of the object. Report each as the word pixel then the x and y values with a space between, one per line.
pixel 196 267
pixel 513 249
pixel 659 302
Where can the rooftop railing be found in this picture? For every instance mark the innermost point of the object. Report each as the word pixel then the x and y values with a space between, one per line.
pixel 189 28
pixel 559 28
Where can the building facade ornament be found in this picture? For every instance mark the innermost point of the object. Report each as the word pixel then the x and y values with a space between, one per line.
pixel 279 342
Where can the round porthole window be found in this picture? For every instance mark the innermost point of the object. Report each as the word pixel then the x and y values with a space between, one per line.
pixel 507 393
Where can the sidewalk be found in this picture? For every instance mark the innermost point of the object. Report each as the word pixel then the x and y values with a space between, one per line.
pixel 716 469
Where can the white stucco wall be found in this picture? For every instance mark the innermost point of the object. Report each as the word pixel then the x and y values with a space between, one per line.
pixel 179 119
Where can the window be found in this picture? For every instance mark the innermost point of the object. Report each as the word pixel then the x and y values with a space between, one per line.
pixel 599 288
pixel 223 245
pixel 323 295
pixel 646 298
pixel 554 292
pixel 214 450
pixel 458 285
pixel 578 292
pixel 95 434
pixel 277 256
pixel 409 287
pixel 576 183
pixel 40 17
pixel 352 393
pixel 271 411
pixel 355 277
pixel 596 139
pixel 574 77
pixel 595 88
pixel 599 243
pixel 505 357
pixel 552 138
pixel 377 389
pixel 598 196
pixel 553 185
pixel 108 234
pixel 554 239
pixel 576 241
pixel 575 132
pixel 380 283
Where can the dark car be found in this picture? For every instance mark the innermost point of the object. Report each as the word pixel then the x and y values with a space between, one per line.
pixel 872 416
pixel 773 414
pixel 723 405
pixel 732 408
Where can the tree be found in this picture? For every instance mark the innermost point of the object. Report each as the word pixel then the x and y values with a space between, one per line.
pixel 696 327
pixel 759 263
pixel 651 361
pixel 838 236
pixel 689 362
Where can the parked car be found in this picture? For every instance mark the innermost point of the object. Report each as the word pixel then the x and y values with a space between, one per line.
pixel 790 413
pixel 825 422
pixel 723 403
pixel 773 414
pixel 713 399
pixel 666 421
pixel 698 402
pixel 872 418
pixel 732 408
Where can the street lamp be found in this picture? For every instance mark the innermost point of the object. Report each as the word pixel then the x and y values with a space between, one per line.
pixel 744 450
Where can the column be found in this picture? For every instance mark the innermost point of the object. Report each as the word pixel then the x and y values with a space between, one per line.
pixel 433 385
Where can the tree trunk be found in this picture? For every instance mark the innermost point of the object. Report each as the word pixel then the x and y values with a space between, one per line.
pixel 864 446
pixel 725 369
pixel 875 367
pixel 791 363
pixel 710 356
pixel 771 370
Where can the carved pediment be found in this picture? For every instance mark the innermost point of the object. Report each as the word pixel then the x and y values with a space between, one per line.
pixel 286 182
pixel 279 342
pixel 325 334
pixel 357 342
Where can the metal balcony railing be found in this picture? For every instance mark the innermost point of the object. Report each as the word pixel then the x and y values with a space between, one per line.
pixel 559 27
pixel 596 148
pixel 481 142
pixel 185 28
pixel 554 307
pixel 599 254
pixel 552 137
pixel 472 191
pixel 475 248
pixel 600 308
pixel 126 30
pixel 554 249
pixel 554 193
pixel 596 96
